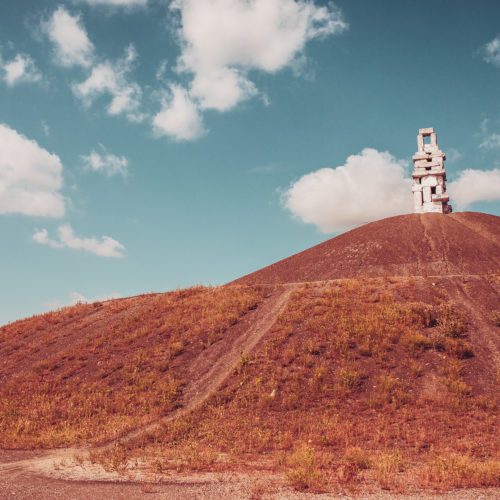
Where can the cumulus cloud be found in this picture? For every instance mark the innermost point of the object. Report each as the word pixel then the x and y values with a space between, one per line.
pixel 223 41
pixel 72 46
pixel 106 163
pixel 179 117
pixel 111 79
pixel 474 185
pixel 66 238
pixel 221 89
pixel 491 51
pixel 21 69
pixel 30 177
pixel 369 186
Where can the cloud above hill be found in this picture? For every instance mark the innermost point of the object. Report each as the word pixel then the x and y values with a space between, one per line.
pixel 223 41
pixel 30 177
pixel 473 186
pixel 66 238
pixel 370 186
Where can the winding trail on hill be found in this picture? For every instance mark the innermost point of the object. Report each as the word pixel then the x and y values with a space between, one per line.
pixel 458 253
pixel 216 363
pixel 208 374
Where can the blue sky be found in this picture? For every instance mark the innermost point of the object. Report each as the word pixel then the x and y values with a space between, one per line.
pixel 147 145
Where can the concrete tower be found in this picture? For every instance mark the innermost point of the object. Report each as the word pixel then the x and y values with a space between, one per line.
pixel 429 175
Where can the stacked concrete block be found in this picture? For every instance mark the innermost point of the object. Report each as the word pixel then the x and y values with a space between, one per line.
pixel 429 175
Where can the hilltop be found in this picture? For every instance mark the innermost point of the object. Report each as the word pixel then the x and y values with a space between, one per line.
pixel 406 245
pixel 325 368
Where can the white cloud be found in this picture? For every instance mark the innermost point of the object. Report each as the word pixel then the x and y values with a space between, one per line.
pixel 179 117
pixel 491 51
pixel 492 141
pixel 222 41
pixel 103 247
pixel 106 163
pixel 21 69
pixel 117 3
pixel 30 177
pixel 473 186
pixel 72 46
pixel 369 186
pixel 112 79
pixel 221 88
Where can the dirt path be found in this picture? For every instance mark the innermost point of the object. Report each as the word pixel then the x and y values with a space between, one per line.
pixel 218 362
pixel 61 474
pixel 428 225
pixel 207 374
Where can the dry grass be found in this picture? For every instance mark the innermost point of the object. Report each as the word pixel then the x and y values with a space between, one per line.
pixel 359 382
pixel 304 472
pixel 117 365
pixel 452 470
pixel 338 393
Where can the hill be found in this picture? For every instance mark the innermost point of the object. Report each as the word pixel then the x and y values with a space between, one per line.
pixel 408 245
pixel 327 367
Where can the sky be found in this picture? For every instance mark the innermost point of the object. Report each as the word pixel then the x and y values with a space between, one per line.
pixel 147 145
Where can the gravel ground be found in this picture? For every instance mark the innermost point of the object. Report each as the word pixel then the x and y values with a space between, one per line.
pixel 200 486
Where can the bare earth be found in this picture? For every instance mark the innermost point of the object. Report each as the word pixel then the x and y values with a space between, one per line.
pixel 56 477
pixel 460 249
pixel 406 245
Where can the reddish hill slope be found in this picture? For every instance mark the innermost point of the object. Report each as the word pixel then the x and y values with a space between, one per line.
pixel 406 245
pixel 332 381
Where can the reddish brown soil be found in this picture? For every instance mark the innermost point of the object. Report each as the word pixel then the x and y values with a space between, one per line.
pixel 406 245
pixel 243 365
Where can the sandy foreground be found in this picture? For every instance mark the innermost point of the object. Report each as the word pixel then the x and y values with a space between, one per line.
pixel 55 475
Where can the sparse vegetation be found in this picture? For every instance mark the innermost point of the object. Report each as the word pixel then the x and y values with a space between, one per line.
pixel 454 470
pixel 95 380
pixel 304 472
pixel 339 393
pixel 339 397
